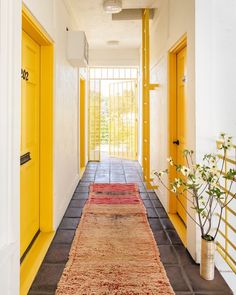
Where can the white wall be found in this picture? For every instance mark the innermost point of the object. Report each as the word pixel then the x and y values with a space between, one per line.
pixel 65 118
pixel 54 18
pixel 10 61
pixel 215 71
pixel 173 19
pixel 215 80
pixel 114 57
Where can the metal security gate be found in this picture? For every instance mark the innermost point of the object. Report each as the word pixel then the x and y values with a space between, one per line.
pixel 113 112
pixel 123 120
pixel 94 119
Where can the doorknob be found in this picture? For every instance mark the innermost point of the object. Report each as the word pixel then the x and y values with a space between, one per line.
pixel 176 142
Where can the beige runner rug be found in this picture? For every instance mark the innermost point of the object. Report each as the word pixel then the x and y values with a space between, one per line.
pixel 114 251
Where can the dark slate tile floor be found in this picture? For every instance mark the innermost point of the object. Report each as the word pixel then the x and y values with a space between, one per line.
pixel 182 271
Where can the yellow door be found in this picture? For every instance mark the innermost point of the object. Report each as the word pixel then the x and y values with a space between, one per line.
pixel 181 101
pixel 29 174
pixel 82 125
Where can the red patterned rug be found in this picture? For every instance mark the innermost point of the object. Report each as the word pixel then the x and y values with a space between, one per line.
pixel 114 251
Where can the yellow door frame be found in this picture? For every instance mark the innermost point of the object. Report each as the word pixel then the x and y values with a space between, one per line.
pixel 172 130
pixel 34 258
pixel 146 88
pixel 82 125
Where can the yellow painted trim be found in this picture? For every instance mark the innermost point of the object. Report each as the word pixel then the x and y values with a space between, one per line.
pixel 180 227
pixel 153 86
pixel 146 87
pixel 225 243
pixel 35 256
pixel 33 28
pixel 46 139
pixel 33 260
pixel 172 96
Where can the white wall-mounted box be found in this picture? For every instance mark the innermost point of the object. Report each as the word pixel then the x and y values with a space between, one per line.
pixel 77 48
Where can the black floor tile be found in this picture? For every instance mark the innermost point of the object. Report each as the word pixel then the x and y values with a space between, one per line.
pixel 84 183
pixel 151 212
pixel 167 224
pixel 78 203
pixel 173 236
pixel 102 175
pixel 73 212
pixel 142 188
pixel 69 223
pixel 118 181
pixel 150 191
pixel 48 277
pixel 176 277
pixel 161 212
pixel 201 285
pixel 87 178
pixel 183 255
pixel 133 179
pixel 144 196
pixel 148 203
pixel 82 196
pixel 64 236
pixel 82 189
pixel 161 238
pixel 117 173
pixel 168 254
pixel 155 224
pixel 57 253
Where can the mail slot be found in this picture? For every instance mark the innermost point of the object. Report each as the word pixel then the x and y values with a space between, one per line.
pixel 25 158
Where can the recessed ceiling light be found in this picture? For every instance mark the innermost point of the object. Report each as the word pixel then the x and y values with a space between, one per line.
pixel 112 6
pixel 113 42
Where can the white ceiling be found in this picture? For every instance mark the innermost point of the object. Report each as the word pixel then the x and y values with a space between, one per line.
pixel 99 27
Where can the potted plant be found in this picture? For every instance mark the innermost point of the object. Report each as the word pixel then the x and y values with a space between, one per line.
pixel 200 185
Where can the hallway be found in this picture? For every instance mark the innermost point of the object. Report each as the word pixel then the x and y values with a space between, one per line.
pixel 182 271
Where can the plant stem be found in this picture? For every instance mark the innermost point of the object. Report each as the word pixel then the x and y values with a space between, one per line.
pixel 218 226
pixel 187 212
pixel 199 214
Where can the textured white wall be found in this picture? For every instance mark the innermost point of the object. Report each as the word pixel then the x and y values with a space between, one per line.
pixel 173 19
